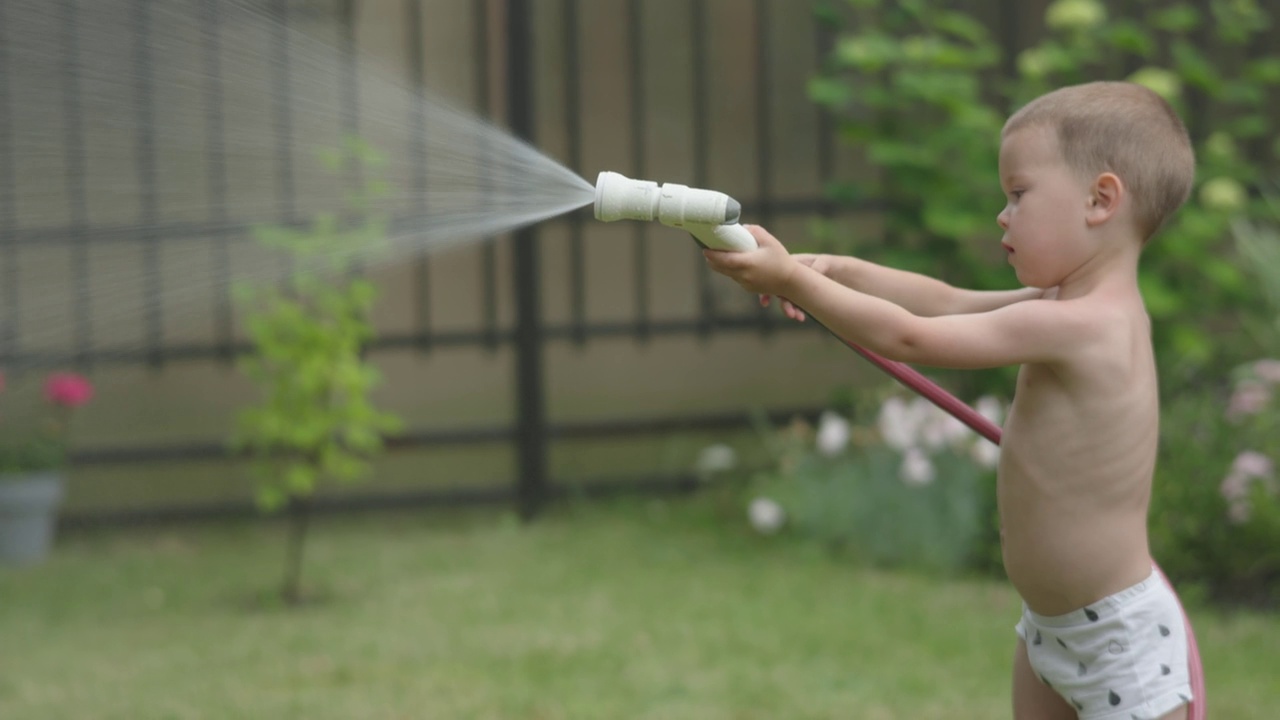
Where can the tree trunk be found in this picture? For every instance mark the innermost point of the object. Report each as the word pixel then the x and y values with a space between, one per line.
pixel 299 514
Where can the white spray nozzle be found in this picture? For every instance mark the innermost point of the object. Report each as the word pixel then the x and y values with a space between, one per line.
pixel 712 217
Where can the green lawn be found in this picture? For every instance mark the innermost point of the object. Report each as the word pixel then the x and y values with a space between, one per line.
pixel 628 610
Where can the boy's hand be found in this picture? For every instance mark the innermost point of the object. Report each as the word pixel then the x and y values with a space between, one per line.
pixel 767 270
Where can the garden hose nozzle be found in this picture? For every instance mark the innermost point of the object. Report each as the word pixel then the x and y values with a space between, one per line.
pixel 710 216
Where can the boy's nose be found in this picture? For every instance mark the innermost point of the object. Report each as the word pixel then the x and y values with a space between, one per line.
pixel 1003 219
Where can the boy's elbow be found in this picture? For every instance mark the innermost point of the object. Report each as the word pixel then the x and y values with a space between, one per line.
pixel 906 347
pixel 908 342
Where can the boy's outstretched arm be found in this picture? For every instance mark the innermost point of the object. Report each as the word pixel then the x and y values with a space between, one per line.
pixel 1038 331
pixel 920 294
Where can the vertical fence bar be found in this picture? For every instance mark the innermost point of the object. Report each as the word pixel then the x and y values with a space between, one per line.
pixel 280 82
pixel 76 192
pixel 353 173
pixel 701 138
pixel 824 41
pixel 150 210
pixel 1197 101
pixel 8 206
pixel 418 151
pixel 350 83
pixel 640 245
pixel 531 410
pixel 764 134
pixel 573 129
pixel 489 252
pixel 216 157
pixel 1010 36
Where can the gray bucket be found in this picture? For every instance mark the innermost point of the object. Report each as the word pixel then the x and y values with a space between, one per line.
pixel 28 515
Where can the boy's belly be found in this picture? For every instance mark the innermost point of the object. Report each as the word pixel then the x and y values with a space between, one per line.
pixel 1060 562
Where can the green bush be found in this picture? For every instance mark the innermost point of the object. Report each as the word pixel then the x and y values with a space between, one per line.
pixel 914 489
pixel 1215 512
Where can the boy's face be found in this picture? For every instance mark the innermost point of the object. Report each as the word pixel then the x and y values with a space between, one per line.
pixel 1046 236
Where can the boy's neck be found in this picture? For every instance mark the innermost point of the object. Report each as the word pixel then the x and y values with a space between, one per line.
pixel 1113 267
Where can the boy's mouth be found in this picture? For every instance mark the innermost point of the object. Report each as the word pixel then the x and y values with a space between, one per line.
pixel 1007 248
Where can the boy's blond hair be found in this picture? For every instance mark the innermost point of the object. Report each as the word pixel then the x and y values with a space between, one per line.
pixel 1123 128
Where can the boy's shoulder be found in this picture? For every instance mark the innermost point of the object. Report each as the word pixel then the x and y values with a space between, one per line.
pixel 1105 323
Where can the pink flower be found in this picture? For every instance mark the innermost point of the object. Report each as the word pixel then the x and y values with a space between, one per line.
pixel 1250 398
pixel 1249 467
pixel 68 390
pixel 1253 464
pixel 1267 370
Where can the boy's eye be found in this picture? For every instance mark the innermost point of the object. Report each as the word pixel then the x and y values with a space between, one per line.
pixel 1017 194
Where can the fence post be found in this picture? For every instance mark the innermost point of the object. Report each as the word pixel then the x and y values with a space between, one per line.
pixel 531 429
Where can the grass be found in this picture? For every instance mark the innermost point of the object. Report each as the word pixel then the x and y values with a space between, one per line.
pixel 637 609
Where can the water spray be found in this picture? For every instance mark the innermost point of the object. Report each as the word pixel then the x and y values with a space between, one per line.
pixel 710 216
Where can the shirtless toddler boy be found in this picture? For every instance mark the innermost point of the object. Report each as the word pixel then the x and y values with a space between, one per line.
pixel 1090 173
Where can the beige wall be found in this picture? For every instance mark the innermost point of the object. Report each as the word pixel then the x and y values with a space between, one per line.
pixel 195 401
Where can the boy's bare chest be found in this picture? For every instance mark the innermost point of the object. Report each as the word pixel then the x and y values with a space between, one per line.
pixel 1057 422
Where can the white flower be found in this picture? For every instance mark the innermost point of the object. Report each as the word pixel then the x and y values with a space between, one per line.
pixel 933 434
pixel 716 458
pixel 990 408
pixel 986 453
pixel 895 424
pixel 942 429
pixel 916 468
pixel 833 434
pixel 766 515
pixel 955 431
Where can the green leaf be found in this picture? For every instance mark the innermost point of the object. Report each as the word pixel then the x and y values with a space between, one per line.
pixel 331 159
pixel 1130 37
pixel 960 25
pixel 270 499
pixel 869 52
pixel 1195 69
pixel 1178 19
pixel 1192 343
pixel 300 478
pixel 830 91
pixel 1250 126
pixel 1161 300
pixel 1264 70
pixel 1224 274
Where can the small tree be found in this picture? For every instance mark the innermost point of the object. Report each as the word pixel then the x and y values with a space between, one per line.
pixel 315 422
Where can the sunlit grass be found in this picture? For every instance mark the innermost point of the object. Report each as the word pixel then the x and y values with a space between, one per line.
pixel 632 610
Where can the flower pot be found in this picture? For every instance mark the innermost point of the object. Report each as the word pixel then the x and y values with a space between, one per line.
pixel 28 514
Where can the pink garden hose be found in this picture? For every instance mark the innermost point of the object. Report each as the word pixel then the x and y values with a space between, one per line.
pixel 931 391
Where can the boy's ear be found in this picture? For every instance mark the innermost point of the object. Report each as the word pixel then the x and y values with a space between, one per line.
pixel 1107 193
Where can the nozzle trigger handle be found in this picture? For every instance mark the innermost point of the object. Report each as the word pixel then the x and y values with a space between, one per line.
pixel 730 236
